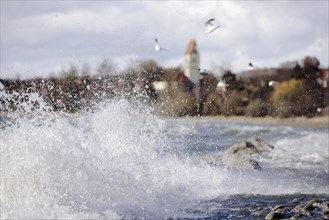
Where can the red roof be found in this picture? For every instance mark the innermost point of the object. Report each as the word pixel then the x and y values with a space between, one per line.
pixel 190 47
pixel 324 74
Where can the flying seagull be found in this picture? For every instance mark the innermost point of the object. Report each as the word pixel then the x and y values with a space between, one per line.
pixel 209 26
pixel 202 70
pixel 222 84
pixel 250 66
pixel 2 87
pixel 272 83
pixel 157 46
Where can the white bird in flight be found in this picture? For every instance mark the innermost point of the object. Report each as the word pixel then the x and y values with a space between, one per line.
pixel 157 46
pixel 250 66
pixel 272 83
pixel 222 84
pixel 203 70
pixel 209 26
pixel 2 87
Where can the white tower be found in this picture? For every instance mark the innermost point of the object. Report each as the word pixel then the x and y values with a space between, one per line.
pixel 192 62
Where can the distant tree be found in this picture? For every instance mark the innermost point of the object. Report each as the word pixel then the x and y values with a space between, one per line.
pixel 311 63
pixel 212 104
pixel 137 80
pixel 231 80
pixel 207 99
pixel 70 73
pixel 308 71
pixel 85 70
pixel 107 67
pixel 297 72
pixel 291 98
pixel 257 108
pixel 150 70
pixel 233 104
pixel 176 102
pixel 289 64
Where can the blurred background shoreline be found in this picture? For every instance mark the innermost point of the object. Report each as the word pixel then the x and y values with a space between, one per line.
pixel 290 91
pixel 314 122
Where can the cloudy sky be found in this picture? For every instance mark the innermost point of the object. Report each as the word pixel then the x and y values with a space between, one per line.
pixel 40 38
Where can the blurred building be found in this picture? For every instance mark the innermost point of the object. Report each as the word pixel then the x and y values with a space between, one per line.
pixel 323 78
pixel 192 62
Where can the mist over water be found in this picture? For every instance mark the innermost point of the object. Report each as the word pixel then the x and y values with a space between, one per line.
pixel 121 161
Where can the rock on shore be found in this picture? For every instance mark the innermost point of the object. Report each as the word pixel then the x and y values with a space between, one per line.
pixel 241 156
pixel 312 209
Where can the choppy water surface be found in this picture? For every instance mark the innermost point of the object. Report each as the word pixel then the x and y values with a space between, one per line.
pixel 122 162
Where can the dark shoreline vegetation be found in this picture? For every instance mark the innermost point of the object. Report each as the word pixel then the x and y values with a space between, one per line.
pixel 298 91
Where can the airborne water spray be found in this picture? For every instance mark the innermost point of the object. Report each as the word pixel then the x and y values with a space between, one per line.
pixel 121 161
pixel 109 163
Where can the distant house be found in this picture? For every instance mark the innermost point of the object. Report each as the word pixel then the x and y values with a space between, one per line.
pixel 323 78
pixel 160 85
pixel 174 79
pixel 192 62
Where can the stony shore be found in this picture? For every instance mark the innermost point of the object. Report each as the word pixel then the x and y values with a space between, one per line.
pixel 315 122
pixel 312 209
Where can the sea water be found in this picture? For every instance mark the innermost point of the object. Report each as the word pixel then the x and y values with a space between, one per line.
pixel 122 161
